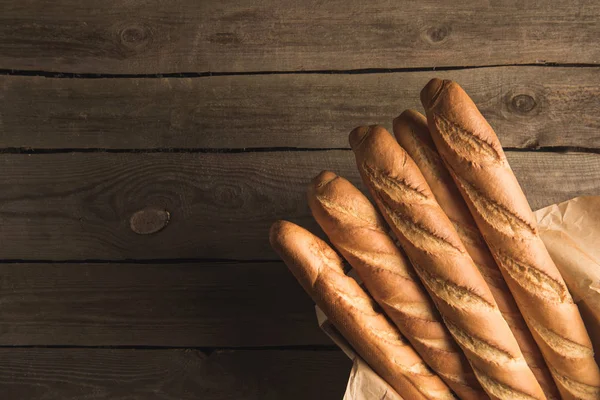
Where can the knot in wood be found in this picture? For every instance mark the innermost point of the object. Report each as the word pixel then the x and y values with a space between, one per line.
pixel 149 220
pixel 228 196
pixel 523 103
pixel 135 36
pixel 437 34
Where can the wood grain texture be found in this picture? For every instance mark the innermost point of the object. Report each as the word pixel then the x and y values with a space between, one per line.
pixel 97 374
pixel 143 36
pixel 528 107
pixel 78 206
pixel 182 305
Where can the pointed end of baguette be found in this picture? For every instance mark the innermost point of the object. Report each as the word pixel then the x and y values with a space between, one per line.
pixel 323 179
pixel 317 187
pixel 432 91
pixel 369 141
pixel 277 231
pixel 408 118
pixel 411 126
pixel 358 136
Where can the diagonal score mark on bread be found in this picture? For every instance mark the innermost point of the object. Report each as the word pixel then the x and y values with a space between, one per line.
pixel 495 214
pixel 397 189
pixel 379 262
pixel 417 311
pixel 492 276
pixel 423 312
pixel 440 345
pixel 483 349
pixel 360 303
pixel 464 143
pixel 335 208
pixel 391 337
pixel 454 378
pixel 533 280
pixel 454 295
pixel 498 389
pixel 515 321
pixel 417 234
pixel 428 156
pixel 363 304
pixel 578 389
pixel 468 234
pixel 421 369
pixel 563 346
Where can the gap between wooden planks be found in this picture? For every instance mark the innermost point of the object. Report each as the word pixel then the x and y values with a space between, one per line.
pixel 529 107
pixel 79 206
pixel 124 374
pixel 233 35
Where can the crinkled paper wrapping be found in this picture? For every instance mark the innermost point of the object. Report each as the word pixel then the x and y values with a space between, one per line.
pixel 571 232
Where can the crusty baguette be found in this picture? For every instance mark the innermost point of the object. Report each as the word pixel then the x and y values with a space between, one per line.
pixel 355 228
pixel 411 131
pixel 474 156
pixel 319 270
pixel 455 284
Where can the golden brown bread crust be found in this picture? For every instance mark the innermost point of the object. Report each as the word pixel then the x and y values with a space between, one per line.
pixel 357 231
pixel 474 156
pixel 457 287
pixel 411 131
pixel 319 270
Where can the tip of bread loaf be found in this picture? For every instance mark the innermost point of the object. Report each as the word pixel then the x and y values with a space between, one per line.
pixel 319 185
pixel 432 91
pixel 286 237
pixel 289 238
pixel 413 124
pixel 323 179
pixel 358 135
pixel 304 253
pixel 408 116
pixel 276 232
pixel 363 134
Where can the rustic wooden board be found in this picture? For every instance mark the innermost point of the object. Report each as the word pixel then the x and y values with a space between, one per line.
pixel 95 374
pixel 80 205
pixel 528 106
pixel 142 36
pixel 183 305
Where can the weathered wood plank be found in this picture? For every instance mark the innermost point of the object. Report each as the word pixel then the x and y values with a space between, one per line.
pixel 97 374
pixel 182 305
pixel 528 106
pixel 143 36
pixel 79 206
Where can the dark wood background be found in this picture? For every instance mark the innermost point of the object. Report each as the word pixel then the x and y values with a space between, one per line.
pixel 118 116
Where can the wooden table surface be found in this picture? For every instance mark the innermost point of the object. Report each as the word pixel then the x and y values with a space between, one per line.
pixel 210 117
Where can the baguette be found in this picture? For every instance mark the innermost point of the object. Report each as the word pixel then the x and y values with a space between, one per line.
pixel 455 284
pixel 360 235
pixel 474 156
pixel 411 131
pixel 319 270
